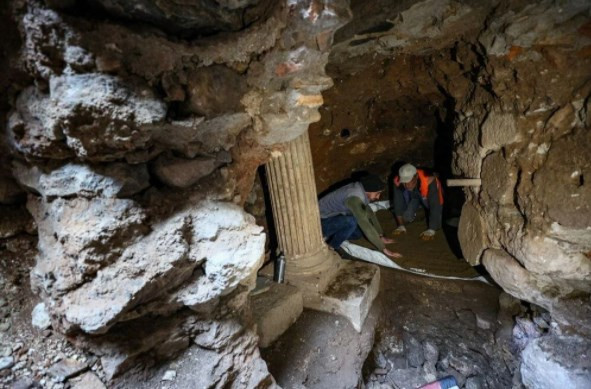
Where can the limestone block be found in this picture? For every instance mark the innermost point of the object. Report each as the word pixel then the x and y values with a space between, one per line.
pixel 32 129
pixel 182 173
pixel 557 362
pixel 510 275
pixel 275 309
pixel 198 136
pixel 498 178
pixel 545 255
pixel 145 270
pixel 74 179
pixel 561 184
pixel 472 234
pixel 78 236
pixel 40 317
pixel 87 381
pixel 350 294
pixel 215 90
pixel 218 236
pixel 95 116
pixel 498 130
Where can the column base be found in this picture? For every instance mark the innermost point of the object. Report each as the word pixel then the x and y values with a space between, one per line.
pixel 313 272
pixel 347 289
pixel 350 294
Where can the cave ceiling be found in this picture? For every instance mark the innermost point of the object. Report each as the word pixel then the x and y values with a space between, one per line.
pixel 187 19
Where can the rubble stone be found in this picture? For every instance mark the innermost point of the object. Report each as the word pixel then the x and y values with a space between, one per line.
pixel 182 173
pixel 6 362
pixel 40 317
pixel 116 116
pixel 87 381
pixel 112 180
pixel 67 368
pixel 552 361
pixel 498 130
pixel 471 233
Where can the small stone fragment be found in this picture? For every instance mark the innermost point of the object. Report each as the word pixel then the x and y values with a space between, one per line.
pixel 473 383
pixel 431 351
pixel 5 326
pixel 169 375
pixel 66 368
pixel 40 317
pixel 414 351
pixel 182 173
pixel 6 362
pixel 87 381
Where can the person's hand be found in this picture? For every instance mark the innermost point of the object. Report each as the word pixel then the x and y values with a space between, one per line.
pixel 400 230
pixel 427 235
pixel 386 240
pixel 392 254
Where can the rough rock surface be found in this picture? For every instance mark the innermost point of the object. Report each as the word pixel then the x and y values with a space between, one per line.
pixel 548 363
pixel 196 18
pixel 40 317
pixel 506 85
pixel 71 179
pixel 92 116
pixel 122 250
pixel 137 136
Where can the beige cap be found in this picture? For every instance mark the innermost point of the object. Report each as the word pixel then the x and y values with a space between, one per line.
pixel 406 173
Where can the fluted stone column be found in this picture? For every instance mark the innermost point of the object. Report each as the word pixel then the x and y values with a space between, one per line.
pixel 290 174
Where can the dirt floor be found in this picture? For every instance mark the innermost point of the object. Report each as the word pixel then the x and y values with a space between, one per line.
pixel 321 351
pixel 440 256
pixel 425 329
pixel 27 353
pixel 420 329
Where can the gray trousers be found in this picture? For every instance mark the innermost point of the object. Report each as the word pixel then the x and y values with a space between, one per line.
pixel 407 209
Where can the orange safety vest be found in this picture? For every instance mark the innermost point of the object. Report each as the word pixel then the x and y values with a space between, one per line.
pixel 424 187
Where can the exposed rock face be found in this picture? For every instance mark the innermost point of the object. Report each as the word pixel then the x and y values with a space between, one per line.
pixel 111 180
pixel 134 139
pixel 93 116
pixel 508 87
pixel 199 17
pixel 548 362
pixel 138 148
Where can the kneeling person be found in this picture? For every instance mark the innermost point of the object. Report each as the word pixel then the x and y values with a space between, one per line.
pixel 413 188
pixel 345 214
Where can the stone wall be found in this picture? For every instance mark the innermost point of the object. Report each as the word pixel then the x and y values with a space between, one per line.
pixel 137 140
pixel 507 86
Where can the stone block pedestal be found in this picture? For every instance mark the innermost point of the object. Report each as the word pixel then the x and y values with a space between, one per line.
pixel 275 308
pixel 350 293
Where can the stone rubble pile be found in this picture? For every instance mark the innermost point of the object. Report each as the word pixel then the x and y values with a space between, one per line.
pixel 137 150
